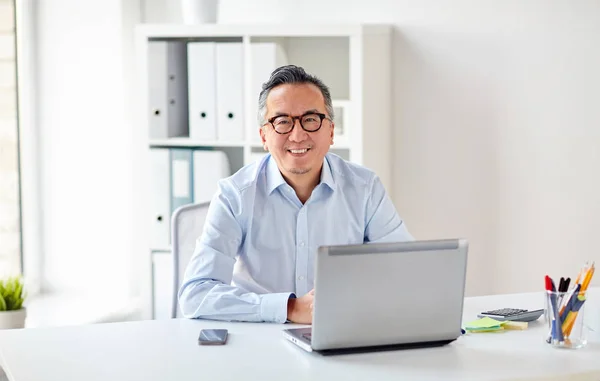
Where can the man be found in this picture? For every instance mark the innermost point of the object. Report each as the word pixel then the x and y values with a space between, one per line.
pixel 266 222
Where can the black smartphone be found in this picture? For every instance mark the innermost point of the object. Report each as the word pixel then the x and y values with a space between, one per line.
pixel 212 337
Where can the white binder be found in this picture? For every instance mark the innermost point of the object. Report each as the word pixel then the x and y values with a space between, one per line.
pixel 209 168
pixel 202 90
pixel 161 209
pixel 230 91
pixel 181 190
pixel 167 89
pixel 265 57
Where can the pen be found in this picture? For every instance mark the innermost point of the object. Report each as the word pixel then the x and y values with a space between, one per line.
pixel 569 321
pixel 569 299
pixel 561 289
pixel 557 333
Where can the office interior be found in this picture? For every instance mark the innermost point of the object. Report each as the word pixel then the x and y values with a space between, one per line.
pixel 494 137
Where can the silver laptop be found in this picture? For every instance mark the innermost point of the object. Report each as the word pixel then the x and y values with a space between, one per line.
pixel 383 296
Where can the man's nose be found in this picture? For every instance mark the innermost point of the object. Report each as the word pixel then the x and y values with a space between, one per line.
pixel 298 134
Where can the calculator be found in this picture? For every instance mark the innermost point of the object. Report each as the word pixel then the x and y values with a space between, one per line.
pixel 512 314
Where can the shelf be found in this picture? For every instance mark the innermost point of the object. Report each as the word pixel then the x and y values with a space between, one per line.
pixel 187 142
pixel 160 250
pixel 180 31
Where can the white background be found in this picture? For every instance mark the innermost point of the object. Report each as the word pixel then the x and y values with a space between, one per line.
pixel 496 129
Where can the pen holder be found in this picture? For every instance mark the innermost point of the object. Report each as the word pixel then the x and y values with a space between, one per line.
pixel 564 317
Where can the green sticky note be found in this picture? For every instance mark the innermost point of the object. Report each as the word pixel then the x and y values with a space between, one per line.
pixel 486 323
pixel 495 329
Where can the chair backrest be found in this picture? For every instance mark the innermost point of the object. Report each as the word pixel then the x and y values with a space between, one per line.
pixel 187 224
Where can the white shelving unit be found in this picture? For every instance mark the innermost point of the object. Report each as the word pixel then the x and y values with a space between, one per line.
pixel 354 60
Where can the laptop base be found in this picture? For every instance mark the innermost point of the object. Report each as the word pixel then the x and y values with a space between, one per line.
pixel 298 336
pixel 383 348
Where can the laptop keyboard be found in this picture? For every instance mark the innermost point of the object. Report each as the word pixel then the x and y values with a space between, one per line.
pixel 307 336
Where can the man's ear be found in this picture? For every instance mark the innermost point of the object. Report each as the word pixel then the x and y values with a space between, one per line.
pixel 263 138
pixel 332 131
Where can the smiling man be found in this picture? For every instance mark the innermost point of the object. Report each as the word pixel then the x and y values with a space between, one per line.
pixel 254 259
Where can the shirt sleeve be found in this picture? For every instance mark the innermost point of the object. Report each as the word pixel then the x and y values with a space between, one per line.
pixel 206 290
pixel 383 222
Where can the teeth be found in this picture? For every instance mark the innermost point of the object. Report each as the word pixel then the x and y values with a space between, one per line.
pixel 298 150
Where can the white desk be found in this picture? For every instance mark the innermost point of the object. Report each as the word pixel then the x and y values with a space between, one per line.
pixel 168 350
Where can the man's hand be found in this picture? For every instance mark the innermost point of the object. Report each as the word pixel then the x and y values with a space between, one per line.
pixel 300 309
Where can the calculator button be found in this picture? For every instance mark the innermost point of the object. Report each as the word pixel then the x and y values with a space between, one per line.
pixel 505 312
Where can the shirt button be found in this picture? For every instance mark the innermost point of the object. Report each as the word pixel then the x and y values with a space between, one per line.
pixel 301 243
pixel 300 277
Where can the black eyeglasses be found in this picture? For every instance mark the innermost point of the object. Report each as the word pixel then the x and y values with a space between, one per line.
pixel 310 122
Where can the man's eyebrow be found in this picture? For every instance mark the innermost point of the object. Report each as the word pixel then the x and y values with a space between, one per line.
pixel 311 111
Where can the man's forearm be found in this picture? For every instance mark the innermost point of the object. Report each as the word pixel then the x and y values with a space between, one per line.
pixel 215 300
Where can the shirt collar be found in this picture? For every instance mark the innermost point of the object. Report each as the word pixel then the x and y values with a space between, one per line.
pixel 326 175
pixel 275 179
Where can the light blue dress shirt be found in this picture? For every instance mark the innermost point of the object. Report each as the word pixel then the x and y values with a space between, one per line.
pixel 259 241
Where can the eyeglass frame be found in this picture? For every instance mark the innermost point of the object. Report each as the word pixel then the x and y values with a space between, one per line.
pixel 299 117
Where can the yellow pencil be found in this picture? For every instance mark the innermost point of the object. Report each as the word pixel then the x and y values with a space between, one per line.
pixel 581 272
pixel 588 278
pixel 572 315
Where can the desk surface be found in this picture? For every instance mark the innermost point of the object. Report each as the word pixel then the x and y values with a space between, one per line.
pixel 168 350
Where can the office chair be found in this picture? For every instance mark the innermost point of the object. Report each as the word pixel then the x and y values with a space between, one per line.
pixel 187 223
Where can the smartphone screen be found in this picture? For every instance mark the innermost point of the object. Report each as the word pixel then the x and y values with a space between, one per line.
pixel 212 337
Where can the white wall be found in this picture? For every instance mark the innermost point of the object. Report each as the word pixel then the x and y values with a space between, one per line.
pixel 495 137
pixel 497 126
pixel 85 144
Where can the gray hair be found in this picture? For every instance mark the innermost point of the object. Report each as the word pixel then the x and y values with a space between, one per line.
pixel 286 75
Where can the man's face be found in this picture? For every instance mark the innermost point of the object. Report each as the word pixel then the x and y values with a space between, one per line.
pixel 298 152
